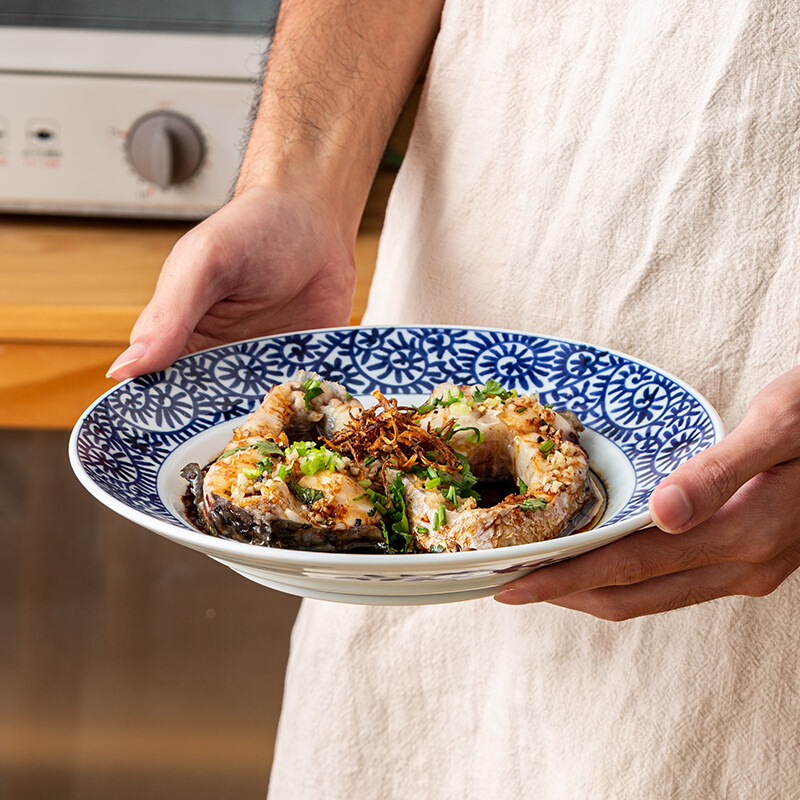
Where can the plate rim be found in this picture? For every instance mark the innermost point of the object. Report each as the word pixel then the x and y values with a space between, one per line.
pixel 712 412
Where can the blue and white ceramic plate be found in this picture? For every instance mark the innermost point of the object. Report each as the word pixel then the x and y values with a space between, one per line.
pixel 129 447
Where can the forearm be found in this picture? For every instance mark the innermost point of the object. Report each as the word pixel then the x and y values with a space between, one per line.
pixel 339 73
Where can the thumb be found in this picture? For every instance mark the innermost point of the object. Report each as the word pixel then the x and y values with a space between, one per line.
pixel 163 329
pixel 703 484
pixel 157 339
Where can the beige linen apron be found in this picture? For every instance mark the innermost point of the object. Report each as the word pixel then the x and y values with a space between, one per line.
pixel 625 172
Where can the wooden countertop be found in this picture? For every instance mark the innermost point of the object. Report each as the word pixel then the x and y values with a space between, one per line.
pixel 71 290
pixel 78 281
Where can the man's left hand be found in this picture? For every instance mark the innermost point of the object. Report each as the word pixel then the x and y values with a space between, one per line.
pixel 728 523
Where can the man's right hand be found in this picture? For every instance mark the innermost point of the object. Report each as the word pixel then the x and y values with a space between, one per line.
pixel 269 261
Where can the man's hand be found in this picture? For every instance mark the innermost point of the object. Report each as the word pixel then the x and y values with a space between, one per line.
pixel 729 522
pixel 267 262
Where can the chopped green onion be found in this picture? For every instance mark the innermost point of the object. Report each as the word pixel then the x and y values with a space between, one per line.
pixel 314 459
pixel 546 447
pixel 283 472
pixel 251 472
pixel 314 464
pixel 440 517
pixel 433 482
pixel 437 548
pixel 478 437
pixel 523 487
pixel 422 529
pixel 312 389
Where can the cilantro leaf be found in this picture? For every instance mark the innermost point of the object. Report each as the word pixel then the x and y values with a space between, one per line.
pixel 533 504
pixel 230 452
pixel 304 494
pixel 396 528
pixel 268 448
pixel 493 388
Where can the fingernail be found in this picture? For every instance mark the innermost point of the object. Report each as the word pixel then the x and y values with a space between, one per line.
pixel 130 356
pixel 514 597
pixel 671 508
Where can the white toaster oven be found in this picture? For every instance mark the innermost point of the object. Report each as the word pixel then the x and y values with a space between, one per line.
pixel 106 113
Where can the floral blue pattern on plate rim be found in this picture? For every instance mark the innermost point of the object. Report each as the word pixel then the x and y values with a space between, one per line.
pixel 650 419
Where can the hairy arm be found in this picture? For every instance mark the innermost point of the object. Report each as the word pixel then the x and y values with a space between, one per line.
pixel 338 76
pixel 280 255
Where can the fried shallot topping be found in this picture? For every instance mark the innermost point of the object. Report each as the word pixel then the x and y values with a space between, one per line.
pixel 389 433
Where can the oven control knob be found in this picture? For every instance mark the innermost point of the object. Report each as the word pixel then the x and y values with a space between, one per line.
pixel 165 148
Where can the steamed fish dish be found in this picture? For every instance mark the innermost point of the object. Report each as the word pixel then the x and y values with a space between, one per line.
pixel 311 468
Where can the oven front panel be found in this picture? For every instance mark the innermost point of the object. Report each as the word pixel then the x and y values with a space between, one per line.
pixel 64 144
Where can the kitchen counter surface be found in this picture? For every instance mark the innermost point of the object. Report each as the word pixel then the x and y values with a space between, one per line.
pixel 71 290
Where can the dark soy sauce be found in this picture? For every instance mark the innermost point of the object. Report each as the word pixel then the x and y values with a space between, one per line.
pixel 494 492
